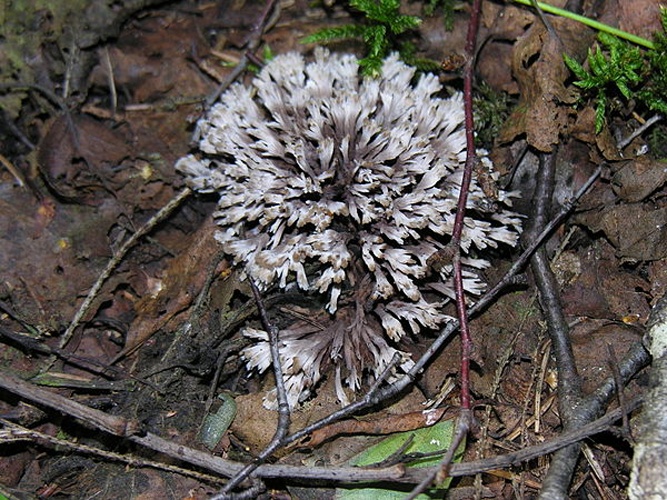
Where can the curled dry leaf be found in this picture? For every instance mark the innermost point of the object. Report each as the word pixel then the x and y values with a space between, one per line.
pixel 545 106
pixel 387 425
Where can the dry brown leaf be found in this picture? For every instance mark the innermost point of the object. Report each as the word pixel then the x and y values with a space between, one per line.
pixel 639 17
pixel 638 232
pixel 183 280
pixel 545 107
pixel 635 180
pixel 78 154
pixel 386 425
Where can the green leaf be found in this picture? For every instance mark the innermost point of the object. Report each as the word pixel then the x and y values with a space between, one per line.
pixel 436 438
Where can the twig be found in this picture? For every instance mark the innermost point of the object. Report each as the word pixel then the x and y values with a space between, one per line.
pixel 255 37
pixel 282 428
pixel 274 344
pixel 16 131
pixel 547 24
pixel 117 426
pixel 14 432
pixel 613 366
pixel 443 470
pixel 397 473
pixel 20 180
pixel 639 131
pixel 464 420
pixel 569 383
pixel 562 466
pixel 33 345
pixel 649 473
pixel 106 61
pixel 118 257
pixel 471 158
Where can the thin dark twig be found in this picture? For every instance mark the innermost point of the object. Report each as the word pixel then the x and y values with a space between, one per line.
pixel 615 372
pixel 465 416
pixel 282 428
pixel 33 345
pixel 399 456
pixel 560 472
pixel 545 21
pixel 233 75
pixel 442 471
pixel 274 344
pixel 375 386
pixel 255 37
pixel 547 286
pixel 16 131
pixel 471 158
pixel 639 131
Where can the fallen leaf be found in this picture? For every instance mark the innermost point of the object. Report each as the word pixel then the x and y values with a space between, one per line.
pixel 636 179
pixel 422 441
pixel 545 106
pixel 637 231
pixel 78 154
pixel 385 425
pixel 182 281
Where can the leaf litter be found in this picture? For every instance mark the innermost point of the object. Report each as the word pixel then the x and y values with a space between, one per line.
pixel 101 170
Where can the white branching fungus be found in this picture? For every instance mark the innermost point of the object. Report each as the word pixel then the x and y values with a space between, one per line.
pixel 346 186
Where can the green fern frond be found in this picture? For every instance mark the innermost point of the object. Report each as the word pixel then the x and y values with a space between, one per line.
pixel 371 65
pixel 600 111
pixel 337 33
pixel 575 67
pixel 376 40
pixel 380 33
pixel 386 12
pixel 447 11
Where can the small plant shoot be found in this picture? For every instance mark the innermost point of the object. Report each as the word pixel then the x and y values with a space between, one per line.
pixel 618 71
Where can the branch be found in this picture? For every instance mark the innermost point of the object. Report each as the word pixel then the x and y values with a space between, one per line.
pixel 396 473
pixel 283 406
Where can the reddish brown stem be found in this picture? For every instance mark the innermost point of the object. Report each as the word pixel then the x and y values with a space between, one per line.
pixel 471 157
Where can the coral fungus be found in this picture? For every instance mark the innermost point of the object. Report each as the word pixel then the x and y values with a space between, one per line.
pixel 344 187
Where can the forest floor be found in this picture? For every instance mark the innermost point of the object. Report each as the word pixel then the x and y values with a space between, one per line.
pixel 90 139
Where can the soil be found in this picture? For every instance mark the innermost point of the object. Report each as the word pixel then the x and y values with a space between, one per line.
pixel 85 168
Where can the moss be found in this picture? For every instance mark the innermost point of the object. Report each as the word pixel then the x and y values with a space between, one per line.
pixel 27 27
